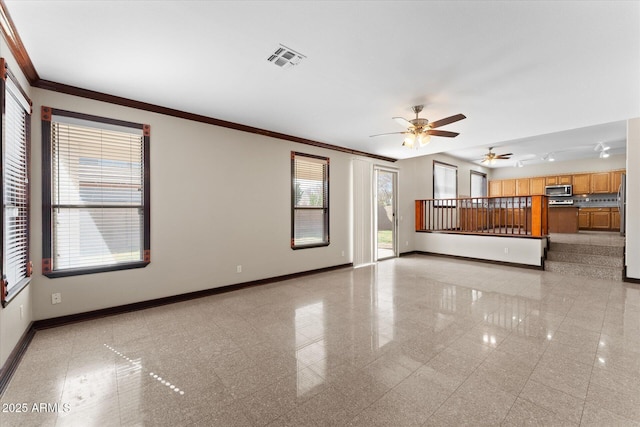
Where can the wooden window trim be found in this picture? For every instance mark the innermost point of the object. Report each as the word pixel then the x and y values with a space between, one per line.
pixel 47 229
pixel 324 208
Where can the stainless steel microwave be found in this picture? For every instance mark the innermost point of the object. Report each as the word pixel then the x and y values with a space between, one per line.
pixel 558 190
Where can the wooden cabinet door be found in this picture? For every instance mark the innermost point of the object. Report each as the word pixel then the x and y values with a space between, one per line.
pixel 536 186
pixel 582 183
pixel 565 179
pixel 551 180
pixel 522 187
pixel 601 219
pixel 615 178
pixel 508 187
pixel 583 220
pixel 600 183
pixel 495 188
pixel 615 219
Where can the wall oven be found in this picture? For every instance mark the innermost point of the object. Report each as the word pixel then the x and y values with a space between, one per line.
pixel 558 190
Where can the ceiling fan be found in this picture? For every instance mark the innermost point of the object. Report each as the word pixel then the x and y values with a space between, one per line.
pixel 419 131
pixel 491 157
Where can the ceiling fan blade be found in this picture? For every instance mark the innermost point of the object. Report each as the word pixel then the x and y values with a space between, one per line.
pixel 504 156
pixel 447 120
pixel 442 133
pixel 403 122
pixel 389 133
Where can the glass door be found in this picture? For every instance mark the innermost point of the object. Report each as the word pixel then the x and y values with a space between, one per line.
pixel 385 215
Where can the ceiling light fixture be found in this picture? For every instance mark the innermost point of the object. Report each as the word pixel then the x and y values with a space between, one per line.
pixel 604 150
pixel 518 164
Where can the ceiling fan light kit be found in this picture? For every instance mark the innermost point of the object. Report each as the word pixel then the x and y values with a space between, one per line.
pixel 419 130
pixel 491 157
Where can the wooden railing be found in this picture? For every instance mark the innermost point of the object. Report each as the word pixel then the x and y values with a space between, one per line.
pixel 520 215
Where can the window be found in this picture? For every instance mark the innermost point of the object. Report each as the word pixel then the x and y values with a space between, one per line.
pixel 16 112
pixel 478 184
pixel 309 201
pixel 445 183
pixel 95 194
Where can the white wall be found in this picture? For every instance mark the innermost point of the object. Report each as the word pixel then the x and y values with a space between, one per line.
pixel 633 199
pixel 219 198
pixel 552 168
pixel 16 317
pixel 526 251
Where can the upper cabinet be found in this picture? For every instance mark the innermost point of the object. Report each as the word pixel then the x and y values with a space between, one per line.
pixel 582 183
pixel 558 180
pixel 600 183
pixel 536 185
pixel 522 187
pixel 495 188
pixel 508 187
pixel 615 180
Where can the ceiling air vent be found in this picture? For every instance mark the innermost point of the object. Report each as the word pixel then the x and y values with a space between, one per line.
pixel 285 57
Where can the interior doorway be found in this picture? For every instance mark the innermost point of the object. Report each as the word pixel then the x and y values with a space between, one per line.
pixel 386 206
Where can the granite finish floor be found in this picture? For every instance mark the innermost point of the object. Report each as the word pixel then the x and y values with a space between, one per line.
pixel 412 341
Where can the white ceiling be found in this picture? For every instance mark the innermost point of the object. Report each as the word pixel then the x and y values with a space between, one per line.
pixel 531 76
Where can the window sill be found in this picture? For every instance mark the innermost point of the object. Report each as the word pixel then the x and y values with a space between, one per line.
pixel 316 245
pixel 92 270
pixel 15 291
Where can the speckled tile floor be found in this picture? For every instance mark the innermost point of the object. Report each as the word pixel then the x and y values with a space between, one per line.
pixel 599 238
pixel 407 342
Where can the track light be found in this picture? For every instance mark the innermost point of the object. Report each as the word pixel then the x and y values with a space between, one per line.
pixel 604 150
pixel 518 164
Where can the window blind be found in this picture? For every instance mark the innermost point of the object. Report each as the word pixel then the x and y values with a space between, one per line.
pixel 445 183
pixel 97 194
pixel 478 184
pixel 310 201
pixel 15 191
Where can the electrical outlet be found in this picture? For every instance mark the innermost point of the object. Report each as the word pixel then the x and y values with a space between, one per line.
pixel 238 268
pixel 56 298
pixel 342 253
pixel 406 243
pixel 506 250
pixel 21 312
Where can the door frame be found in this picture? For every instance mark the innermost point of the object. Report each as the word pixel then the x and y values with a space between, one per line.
pixel 395 222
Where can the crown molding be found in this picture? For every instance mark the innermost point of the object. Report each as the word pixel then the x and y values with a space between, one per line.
pixel 139 105
pixel 16 47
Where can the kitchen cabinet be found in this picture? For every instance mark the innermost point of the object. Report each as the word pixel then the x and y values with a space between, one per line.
pixel 522 187
pixel 615 178
pixel 495 188
pixel 559 180
pixel 582 183
pixel 536 185
pixel 599 219
pixel 508 187
pixel 600 183
pixel 615 219
pixel 583 220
